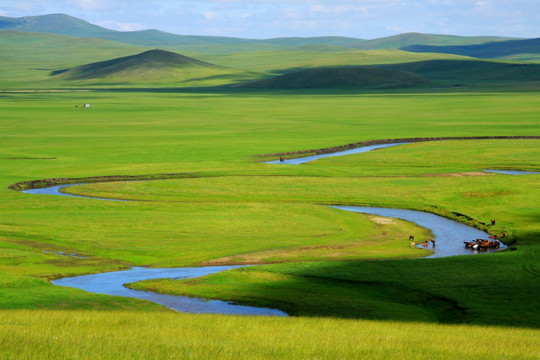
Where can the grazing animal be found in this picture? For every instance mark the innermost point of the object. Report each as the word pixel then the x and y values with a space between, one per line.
pixel 281 158
pixel 492 221
pixel 469 244
pixel 424 244
pixel 413 244
pixel 411 237
pixel 433 242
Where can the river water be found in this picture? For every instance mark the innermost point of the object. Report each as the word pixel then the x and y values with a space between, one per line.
pixel 358 150
pixel 512 172
pixel 55 190
pixel 112 283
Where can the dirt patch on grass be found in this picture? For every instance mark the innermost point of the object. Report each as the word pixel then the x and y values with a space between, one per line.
pixel 382 220
pixel 486 194
pixel 462 174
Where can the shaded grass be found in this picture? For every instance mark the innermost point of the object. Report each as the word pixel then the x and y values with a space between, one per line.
pixel 487 289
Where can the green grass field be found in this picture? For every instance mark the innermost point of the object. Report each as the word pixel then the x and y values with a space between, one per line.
pixel 352 283
pixel 232 206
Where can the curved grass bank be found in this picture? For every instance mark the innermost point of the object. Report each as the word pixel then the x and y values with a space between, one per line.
pixel 42 183
pixel 390 141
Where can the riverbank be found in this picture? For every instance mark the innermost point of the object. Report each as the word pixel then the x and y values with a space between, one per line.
pixel 43 183
pixel 393 141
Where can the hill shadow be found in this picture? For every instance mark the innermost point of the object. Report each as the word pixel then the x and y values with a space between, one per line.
pixel 496 289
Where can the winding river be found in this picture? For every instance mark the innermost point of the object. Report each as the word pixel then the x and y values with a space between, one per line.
pixel 358 150
pixel 55 190
pixel 112 283
pixel 512 172
pixel 449 236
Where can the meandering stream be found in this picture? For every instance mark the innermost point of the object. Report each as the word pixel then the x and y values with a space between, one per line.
pixel 449 236
pixel 112 283
pixel 358 150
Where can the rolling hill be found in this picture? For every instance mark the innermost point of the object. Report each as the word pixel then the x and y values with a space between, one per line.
pixel 471 70
pixel 407 39
pixel 63 24
pixel 341 77
pixel 498 49
pixel 404 75
pixel 28 58
pixel 153 66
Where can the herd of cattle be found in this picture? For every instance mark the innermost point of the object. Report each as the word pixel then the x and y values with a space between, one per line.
pixel 478 244
pixel 482 244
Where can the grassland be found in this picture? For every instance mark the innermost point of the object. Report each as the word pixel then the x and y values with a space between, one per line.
pixel 229 207
pixel 129 335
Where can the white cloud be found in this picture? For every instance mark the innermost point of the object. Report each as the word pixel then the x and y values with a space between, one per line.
pixel 121 26
pixel 24 6
pixel 338 9
pixel 210 15
pixel 130 26
pixel 89 4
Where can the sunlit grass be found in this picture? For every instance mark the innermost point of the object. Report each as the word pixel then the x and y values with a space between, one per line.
pixel 127 335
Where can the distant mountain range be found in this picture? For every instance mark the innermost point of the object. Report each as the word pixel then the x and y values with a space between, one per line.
pixel 75 52
pixel 67 25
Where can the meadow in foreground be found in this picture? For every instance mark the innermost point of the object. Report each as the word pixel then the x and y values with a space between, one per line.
pixel 30 334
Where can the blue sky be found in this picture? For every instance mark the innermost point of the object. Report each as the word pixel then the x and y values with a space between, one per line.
pixel 261 19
